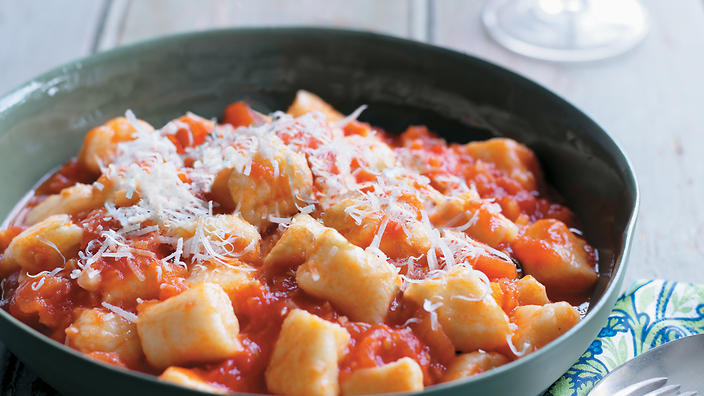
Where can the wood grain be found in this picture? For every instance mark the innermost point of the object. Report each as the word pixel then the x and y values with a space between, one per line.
pixel 149 18
pixel 38 35
pixel 650 101
pixel 53 32
pixel 35 37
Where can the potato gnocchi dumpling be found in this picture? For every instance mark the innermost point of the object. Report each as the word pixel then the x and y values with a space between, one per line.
pixel 306 102
pixel 188 379
pixel 100 330
pixel 195 326
pixel 473 363
pixel 297 253
pixel 295 244
pixel 274 182
pixel 359 283
pixel 509 156
pixel 71 201
pixel 465 309
pixel 481 220
pixel 225 234
pixel 43 246
pixel 538 325
pixel 306 355
pixel 358 221
pixel 531 292
pixel 557 257
pixel 233 276
pixel 403 375
pixel 100 144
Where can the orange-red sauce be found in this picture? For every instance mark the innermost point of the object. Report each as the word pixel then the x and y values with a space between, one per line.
pixel 408 331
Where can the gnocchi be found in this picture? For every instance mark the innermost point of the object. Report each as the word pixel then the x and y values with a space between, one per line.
pixel 196 326
pixel 234 277
pixel 100 330
pixel 360 229
pixel 297 253
pixel 556 257
pixel 509 156
pixel 100 144
pixel 274 182
pixel 483 221
pixel 43 246
pixel 403 375
pixel 359 283
pixel 188 379
pixel 538 325
pixel 465 309
pixel 294 246
pixel 226 234
pixel 306 355
pixel 72 200
pixel 473 363
pixel 306 102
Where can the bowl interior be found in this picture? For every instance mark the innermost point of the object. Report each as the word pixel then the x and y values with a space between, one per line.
pixel 403 83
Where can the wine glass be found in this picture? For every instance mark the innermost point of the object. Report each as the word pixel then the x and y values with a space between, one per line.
pixel 566 30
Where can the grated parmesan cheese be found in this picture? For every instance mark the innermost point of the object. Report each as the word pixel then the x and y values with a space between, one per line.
pixel 148 170
pixel 129 316
pixel 51 245
pixel 524 348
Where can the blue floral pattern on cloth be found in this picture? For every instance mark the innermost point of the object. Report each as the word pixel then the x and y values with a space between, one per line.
pixel 650 313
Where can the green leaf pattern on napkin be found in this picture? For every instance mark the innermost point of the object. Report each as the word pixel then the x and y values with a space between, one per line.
pixel 650 313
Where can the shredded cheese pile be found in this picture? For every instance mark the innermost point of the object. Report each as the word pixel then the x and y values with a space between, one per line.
pixel 148 170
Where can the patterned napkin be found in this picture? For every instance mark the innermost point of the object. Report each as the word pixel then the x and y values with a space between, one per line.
pixel 650 313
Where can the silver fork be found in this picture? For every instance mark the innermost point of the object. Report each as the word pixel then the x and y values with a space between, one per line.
pixel 679 361
pixel 653 387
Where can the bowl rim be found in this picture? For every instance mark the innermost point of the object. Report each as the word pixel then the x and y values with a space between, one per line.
pixel 48 79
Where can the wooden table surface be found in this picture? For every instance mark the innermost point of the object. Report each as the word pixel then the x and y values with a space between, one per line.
pixel 650 100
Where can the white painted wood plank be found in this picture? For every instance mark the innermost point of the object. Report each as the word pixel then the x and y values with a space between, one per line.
pixel 650 100
pixel 38 35
pixel 150 18
pixel 34 37
pixel 114 25
pixel 418 18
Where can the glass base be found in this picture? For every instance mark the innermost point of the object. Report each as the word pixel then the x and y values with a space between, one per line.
pixel 566 30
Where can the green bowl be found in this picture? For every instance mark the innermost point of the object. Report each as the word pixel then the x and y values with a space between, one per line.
pixel 42 124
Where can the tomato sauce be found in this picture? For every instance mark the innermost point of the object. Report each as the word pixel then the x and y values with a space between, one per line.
pixel 374 345
pixel 240 114
pixel 260 313
pixel 47 301
pixel 67 176
pixel 192 133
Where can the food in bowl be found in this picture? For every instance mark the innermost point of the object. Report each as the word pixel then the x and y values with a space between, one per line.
pixel 295 253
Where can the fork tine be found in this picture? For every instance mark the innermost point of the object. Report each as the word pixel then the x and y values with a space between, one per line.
pixel 642 387
pixel 665 390
pixel 693 393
